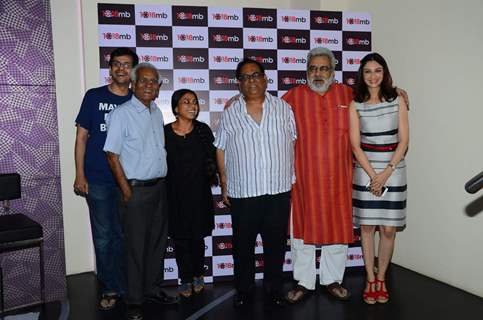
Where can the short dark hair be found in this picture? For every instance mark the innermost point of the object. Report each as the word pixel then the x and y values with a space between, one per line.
pixel 124 52
pixel 245 61
pixel 387 92
pixel 177 95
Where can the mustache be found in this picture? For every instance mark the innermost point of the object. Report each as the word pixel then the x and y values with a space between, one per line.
pixel 320 87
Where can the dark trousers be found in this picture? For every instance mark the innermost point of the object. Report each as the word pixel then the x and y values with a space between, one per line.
pixel 267 215
pixel 190 258
pixel 145 225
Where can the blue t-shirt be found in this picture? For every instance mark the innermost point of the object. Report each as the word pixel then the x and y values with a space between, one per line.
pixel 97 103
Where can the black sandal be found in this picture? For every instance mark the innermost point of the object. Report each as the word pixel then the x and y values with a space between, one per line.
pixel 298 294
pixel 108 301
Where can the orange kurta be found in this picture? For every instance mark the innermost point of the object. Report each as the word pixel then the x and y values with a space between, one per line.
pixel 322 194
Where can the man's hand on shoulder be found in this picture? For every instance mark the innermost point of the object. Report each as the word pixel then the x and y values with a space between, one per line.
pixel 230 101
pixel 403 94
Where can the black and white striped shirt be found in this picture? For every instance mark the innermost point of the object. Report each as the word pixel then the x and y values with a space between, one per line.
pixel 259 158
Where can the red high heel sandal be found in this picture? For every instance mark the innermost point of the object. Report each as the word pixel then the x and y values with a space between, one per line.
pixel 381 294
pixel 370 297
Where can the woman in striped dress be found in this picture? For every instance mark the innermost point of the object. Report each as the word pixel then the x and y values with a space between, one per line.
pixel 379 133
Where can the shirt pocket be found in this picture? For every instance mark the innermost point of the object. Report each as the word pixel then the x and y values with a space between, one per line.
pixel 134 139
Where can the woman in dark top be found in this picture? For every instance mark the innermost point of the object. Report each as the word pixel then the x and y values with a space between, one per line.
pixel 191 172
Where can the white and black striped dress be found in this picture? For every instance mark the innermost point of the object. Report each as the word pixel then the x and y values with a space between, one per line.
pixel 379 139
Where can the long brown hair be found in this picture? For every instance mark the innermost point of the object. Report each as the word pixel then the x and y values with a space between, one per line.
pixel 387 92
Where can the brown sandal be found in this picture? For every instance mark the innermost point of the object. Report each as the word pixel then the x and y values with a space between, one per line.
pixel 335 290
pixel 298 294
pixel 186 290
pixel 108 301
pixel 198 284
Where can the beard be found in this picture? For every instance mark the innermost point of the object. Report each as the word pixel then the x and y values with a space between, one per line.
pixel 321 88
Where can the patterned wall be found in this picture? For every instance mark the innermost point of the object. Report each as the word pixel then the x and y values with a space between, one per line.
pixel 199 47
pixel 29 145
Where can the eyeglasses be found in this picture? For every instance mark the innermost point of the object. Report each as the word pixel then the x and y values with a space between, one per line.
pixel 314 69
pixel 254 76
pixel 125 65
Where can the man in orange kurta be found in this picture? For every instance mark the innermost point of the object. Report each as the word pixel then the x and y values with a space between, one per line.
pixel 322 194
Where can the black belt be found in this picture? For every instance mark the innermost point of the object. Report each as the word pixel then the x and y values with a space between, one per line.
pixel 144 183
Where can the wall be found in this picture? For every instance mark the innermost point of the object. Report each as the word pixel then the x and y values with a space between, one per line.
pixel 434 51
pixel 29 146
pixel 76 45
pixel 69 66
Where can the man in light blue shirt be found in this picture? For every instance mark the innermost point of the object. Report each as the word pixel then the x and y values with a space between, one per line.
pixel 137 157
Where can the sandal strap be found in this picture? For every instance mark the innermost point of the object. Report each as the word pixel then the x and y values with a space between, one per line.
pixel 380 292
pixel 335 289
pixel 185 286
pixel 299 293
pixel 381 284
pixel 301 288
pixel 108 301
pixel 372 290
pixel 370 296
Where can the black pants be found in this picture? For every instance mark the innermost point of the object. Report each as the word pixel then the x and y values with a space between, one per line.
pixel 190 258
pixel 145 225
pixel 267 215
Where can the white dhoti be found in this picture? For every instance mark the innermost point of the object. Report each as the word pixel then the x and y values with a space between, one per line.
pixel 332 262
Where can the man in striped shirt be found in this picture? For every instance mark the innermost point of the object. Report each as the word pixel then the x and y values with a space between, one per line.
pixel 255 154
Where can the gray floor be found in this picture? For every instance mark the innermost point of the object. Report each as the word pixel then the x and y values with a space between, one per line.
pixel 413 297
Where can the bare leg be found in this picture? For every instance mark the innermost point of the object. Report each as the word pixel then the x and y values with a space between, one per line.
pixel 387 237
pixel 367 240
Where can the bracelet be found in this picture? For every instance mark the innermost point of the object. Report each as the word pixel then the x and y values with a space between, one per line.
pixel 393 167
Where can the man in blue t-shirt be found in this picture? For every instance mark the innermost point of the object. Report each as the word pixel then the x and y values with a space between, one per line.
pixel 94 179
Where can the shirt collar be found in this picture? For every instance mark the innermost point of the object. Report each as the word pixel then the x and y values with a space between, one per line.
pixel 139 106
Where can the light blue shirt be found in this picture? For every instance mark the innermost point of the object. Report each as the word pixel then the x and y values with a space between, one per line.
pixel 137 136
